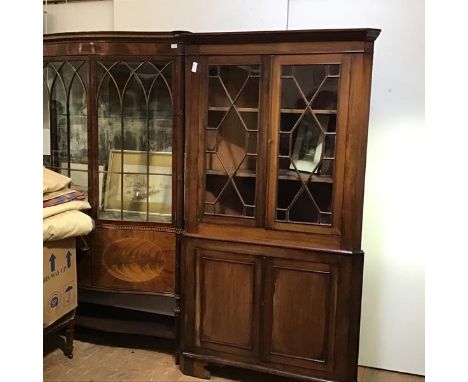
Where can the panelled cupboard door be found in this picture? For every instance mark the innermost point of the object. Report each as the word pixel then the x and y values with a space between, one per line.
pixel 300 310
pixel 231 133
pixel 227 302
pixel 309 103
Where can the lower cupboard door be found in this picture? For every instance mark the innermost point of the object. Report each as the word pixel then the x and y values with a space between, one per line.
pixel 300 313
pixel 227 302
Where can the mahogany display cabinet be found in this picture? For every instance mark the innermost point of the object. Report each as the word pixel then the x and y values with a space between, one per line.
pixel 254 219
pixel 113 115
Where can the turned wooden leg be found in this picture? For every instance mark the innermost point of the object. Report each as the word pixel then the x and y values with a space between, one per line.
pixel 194 368
pixel 177 354
pixel 69 336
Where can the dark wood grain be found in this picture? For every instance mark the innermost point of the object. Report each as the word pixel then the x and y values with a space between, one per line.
pixel 310 275
pixel 306 307
pixel 84 260
pixel 179 131
pixel 194 367
pixel 307 35
pixel 356 150
pixel 262 142
pixel 193 137
pixel 227 301
pixel 313 291
pixel 123 36
pixel 269 48
pixel 102 48
pixel 266 236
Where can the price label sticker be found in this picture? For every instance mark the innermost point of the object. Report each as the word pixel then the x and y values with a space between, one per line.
pixel 194 66
pixel 173 46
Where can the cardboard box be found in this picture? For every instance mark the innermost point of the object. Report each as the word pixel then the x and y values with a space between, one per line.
pixel 59 279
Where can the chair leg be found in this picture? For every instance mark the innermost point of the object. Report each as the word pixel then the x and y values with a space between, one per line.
pixel 69 336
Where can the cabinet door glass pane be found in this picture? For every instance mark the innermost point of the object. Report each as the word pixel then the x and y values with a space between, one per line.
pixel 66 120
pixel 231 137
pixel 306 143
pixel 135 140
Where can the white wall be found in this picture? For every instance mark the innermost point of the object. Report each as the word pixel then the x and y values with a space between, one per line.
pixel 392 329
pixel 78 17
pixel 199 16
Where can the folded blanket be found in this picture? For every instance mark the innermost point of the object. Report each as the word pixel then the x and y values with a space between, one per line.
pixel 66 224
pixel 64 198
pixel 53 181
pixel 64 207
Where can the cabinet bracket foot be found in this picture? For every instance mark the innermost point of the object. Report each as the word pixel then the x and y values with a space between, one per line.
pixel 194 368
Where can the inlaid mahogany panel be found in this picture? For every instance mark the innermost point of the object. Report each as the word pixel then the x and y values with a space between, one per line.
pixel 134 260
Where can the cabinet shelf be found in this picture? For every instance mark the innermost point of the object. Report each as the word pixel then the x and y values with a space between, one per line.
pixel 282 174
pixel 239 109
pixel 300 111
pixel 240 173
pixel 292 175
pixel 139 117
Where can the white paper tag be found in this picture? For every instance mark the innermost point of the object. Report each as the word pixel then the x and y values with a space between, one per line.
pixel 173 46
pixel 194 66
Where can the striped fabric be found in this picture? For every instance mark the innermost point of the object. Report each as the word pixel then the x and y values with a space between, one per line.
pixel 73 195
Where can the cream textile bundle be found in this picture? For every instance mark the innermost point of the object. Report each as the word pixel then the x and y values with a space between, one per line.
pixel 53 181
pixel 65 219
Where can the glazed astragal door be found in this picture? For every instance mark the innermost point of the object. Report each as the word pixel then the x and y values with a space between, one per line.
pixel 65 93
pixel 309 111
pixel 231 130
pixel 135 139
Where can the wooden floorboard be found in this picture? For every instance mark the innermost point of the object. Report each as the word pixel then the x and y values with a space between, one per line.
pixel 366 374
pixel 106 357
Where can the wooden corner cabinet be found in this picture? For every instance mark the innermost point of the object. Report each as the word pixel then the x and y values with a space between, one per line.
pixel 271 265
pixel 254 219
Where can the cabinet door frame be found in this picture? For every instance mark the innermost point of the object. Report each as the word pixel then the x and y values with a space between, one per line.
pixel 340 145
pixel 260 182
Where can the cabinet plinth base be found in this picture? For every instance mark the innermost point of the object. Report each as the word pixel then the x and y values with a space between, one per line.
pixel 204 360
pixel 194 368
